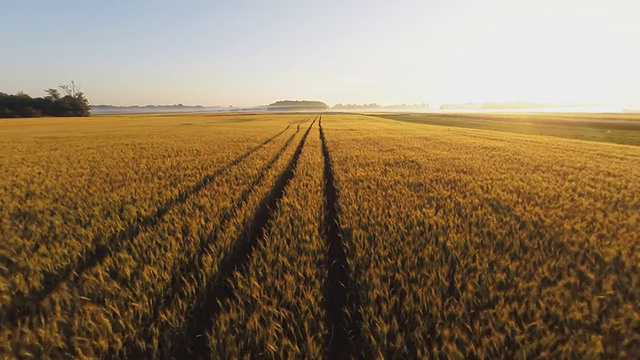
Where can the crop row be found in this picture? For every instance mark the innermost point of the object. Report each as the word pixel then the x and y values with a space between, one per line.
pixel 277 306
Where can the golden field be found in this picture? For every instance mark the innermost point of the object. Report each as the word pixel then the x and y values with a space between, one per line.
pixel 313 235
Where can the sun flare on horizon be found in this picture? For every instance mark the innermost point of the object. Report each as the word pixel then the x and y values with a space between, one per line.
pixel 564 53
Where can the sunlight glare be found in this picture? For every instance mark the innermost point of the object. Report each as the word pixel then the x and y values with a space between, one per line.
pixel 542 54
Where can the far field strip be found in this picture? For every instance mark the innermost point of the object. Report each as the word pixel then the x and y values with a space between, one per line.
pixel 612 128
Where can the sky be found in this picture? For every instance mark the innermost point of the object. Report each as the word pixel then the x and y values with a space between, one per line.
pixel 246 53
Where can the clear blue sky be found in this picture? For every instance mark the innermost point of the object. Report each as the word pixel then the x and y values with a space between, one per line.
pixel 255 52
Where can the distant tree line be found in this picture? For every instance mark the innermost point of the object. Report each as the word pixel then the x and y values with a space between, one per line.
pixel 68 101
pixel 297 105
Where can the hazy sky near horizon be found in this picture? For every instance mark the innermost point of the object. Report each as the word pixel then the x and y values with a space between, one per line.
pixel 244 53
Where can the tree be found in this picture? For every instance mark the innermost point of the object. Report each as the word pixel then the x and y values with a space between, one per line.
pixel 72 103
pixel 52 94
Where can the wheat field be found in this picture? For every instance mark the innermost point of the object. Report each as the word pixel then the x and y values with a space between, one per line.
pixel 313 236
